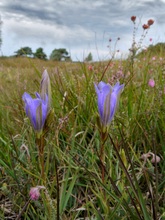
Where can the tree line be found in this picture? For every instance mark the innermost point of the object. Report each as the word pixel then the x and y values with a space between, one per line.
pixel 60 54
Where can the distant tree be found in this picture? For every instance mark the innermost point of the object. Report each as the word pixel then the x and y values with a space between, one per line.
pixel 88 58
pixel 40 54
pixel 60 54
pixel 24 51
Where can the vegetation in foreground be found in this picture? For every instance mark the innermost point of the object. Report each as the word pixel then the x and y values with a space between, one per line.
pixel 70 180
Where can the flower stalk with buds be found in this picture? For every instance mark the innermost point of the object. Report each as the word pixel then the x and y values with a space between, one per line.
pixel 37 110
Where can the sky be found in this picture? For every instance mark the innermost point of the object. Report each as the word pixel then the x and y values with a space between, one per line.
pixel 80 26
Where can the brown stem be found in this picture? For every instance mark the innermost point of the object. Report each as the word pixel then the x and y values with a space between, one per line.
pixel 24 208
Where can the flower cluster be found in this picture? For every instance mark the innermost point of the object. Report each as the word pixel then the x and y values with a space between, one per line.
pixel 149 23
pixel 145 26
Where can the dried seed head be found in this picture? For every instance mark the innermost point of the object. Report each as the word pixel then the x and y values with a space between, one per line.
pixel 133 18
pixel 150 22
pixel 145 26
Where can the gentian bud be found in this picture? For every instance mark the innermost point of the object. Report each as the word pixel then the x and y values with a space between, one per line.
pixel 46 87
pixel 107 99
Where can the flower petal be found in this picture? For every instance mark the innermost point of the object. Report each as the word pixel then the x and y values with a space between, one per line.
pixel 107 98
pixel 36 109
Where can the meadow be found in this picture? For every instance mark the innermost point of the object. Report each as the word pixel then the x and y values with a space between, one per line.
pixel 75 184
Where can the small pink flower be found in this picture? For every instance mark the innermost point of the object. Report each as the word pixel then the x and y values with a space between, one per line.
pixel 153 58
pixel 150 39
pixel 90 67
pixel 111 64
pixel 35 192
pixel 155 158
pixel 145 156
pixel 151 82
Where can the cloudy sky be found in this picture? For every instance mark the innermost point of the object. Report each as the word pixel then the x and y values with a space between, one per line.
pixel 80 26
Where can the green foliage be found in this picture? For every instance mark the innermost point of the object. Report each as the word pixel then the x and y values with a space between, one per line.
pixel 24 51
pixel 158 48
pixel 133 187
pixel 89 57
pixel 60 55
pixel 40 54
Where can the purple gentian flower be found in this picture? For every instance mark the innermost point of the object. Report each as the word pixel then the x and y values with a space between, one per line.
pixel 107 98
pixel 36 110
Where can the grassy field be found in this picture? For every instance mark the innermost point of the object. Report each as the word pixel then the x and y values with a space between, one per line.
pixel 73 186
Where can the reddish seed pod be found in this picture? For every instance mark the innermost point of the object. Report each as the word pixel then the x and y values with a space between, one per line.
pixel 150 22
pixel 145 26
pixel 133 18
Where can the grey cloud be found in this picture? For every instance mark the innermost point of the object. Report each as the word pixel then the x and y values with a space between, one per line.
pixel 32 11
pixel 78 22
pixel 91 14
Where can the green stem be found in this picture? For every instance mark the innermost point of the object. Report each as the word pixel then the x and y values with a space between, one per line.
pixel 40 143
pixel 58 192
pixel 24 208
pixel 102 154
pixel 102 160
